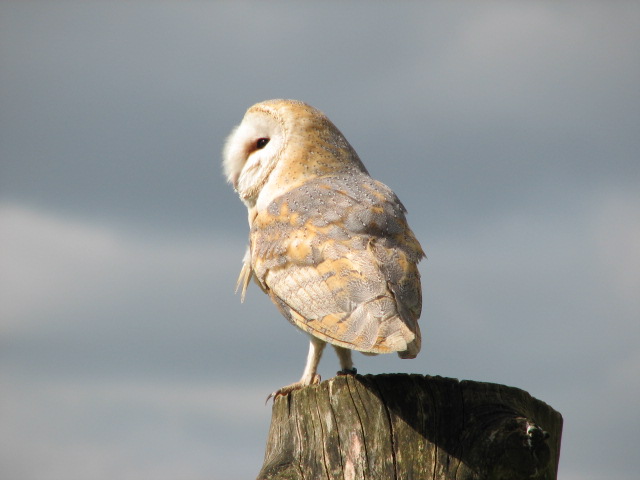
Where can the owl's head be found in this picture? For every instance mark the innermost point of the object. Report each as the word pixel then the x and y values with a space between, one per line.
pixel 286 142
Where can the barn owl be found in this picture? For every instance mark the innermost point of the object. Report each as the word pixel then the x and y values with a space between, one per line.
pixel 329 244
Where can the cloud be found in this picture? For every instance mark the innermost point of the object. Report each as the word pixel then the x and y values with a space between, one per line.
pixel 123 429
pixel 52 264
pixel 49 264
pixel 616 231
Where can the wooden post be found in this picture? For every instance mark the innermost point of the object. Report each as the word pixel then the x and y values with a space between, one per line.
pixel 379 427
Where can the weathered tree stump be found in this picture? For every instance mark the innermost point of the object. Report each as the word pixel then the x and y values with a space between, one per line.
pixel 380 427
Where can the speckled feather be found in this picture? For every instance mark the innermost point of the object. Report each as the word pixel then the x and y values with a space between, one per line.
pixel 338 258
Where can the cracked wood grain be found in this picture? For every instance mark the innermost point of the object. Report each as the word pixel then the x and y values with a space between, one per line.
pixel 411 427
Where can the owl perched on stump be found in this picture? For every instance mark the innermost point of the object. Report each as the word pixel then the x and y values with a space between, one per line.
pixel 329 244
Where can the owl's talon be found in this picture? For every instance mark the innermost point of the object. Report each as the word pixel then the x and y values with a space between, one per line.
pixel 294 386
pixel 347 371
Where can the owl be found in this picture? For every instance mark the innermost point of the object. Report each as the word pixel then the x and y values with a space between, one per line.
pixel 329 244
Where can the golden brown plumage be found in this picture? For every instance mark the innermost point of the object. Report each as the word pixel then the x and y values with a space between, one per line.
pixel 329 244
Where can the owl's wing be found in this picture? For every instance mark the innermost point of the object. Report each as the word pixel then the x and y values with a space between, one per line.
pixel 339 260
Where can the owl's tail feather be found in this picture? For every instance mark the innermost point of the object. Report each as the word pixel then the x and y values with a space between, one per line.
pixel 412 350
pixel 398 337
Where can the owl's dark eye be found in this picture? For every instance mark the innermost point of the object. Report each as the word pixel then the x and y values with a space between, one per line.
pixel 261 143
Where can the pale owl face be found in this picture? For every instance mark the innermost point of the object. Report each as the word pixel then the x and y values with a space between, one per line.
pixel 251 152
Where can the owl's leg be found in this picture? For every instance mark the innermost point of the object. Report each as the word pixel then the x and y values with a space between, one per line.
pixel 346 363
pixel 309 376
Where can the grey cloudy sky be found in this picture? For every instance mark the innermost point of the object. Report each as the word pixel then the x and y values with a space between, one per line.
pixel 509 130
